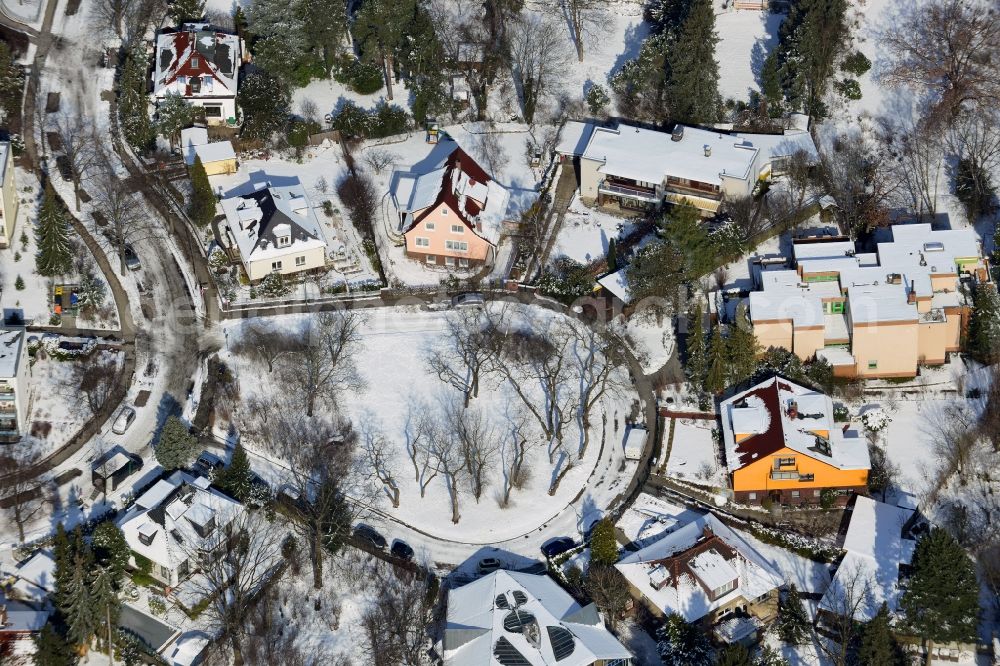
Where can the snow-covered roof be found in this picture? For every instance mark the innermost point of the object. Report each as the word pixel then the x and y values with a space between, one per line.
pixel 635 439
pixel 509 614
pixel 4 154
pixel 617 284
pixel 194 142
pixel 875 548
pixel 169 515
pixel 649 156
pixel 34 578
pixel 253 219
pixel 778 413
pixel 776 146
pixel 699 557
pixel 460 183
pixel 197 61
pixel 20 617
pixel 784 296
pixel 11 350
pixel 574 137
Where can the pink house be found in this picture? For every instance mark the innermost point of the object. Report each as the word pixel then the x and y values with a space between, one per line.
pixel 451 216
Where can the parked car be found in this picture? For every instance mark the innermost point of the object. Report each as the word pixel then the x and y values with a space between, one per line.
pixel 125 418
pixel 488 565
pixel 401 550
pixel 368 533
pixel 557 547
pixel 468 300
pixel 131 258
pixel 208 462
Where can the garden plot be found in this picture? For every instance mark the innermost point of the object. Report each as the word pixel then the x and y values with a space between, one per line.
pixel 693 454
pixel 651 339
pixel 586 232
pixel 56 411
pixel 400 390
pixel 745 39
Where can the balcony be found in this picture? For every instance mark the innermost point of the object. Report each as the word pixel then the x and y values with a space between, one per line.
pixel 792 475
pixel 682 186
pixel 620 189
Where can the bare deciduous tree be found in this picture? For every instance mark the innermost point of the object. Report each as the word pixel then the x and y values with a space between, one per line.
pixel 118 220
pixel 747 217
pixel 139 15
pixel 323 365
pixel 847 597
pixel 395 625
pixel 233 578
pixel 514 456
pixel 111 13
pixel 609 590
pixel 96 377
pixel 22 494
pixel 860 182
pixel 265 344
pixel 478 441
pixel 446 451
pixel 975 138
pixel 380 456
pixel 540 58
pixel 79 146
pixel 470 352
pixel 379 159
pixel 583 17
pixel 917 156
pixel 271 639
pixel 949 49
pixel 419 435
pixel 596 358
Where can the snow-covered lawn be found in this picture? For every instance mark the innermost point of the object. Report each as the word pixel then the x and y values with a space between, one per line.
pixel 399 383
pixel 650 338
pixel 807 575
pixel 745 39
pixel 56 410
pixel 586 232
pixel 693 455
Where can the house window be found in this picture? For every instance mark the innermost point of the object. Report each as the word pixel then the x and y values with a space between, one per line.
pixel 300 261
pixel 449 261
pixel 873 365
pixel 725 589
pixel 463 263
pixel 194 61
pixel 784 462
pixel 431 259
pixel 444 211
pixel 213 111
pixel 795 493
pixel 284 241
pixel 164 573
pixel 146 538
pixel 422 242
pixel 429 226
pixel 457 229
pixel 275 265
pixel 459 246
pixel 751 496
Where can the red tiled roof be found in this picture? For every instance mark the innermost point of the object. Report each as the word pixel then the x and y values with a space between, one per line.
pixel 458 159
pixel 771 440
pixel 185 54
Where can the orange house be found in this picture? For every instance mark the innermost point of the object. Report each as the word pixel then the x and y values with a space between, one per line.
pixel 451 216
pixel 783 445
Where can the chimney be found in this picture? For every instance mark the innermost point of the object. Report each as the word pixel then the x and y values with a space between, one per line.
pixel 793 410
pixel 844 429
pixel 708 150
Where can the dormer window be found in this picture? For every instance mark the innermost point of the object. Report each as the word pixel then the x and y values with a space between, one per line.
pixel 284 241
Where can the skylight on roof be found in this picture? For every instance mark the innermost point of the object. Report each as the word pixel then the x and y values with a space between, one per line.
pixel 562 642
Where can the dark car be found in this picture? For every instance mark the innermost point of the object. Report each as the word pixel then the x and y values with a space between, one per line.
pixel 368 533
pixel 557 547
pixel 401 550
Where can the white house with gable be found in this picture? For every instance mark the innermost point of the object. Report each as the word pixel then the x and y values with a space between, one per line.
pixel 201 64
pixel 176 523
pixel 275 230
pixel 509 618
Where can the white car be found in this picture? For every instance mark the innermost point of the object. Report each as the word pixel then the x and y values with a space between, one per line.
pixel 125 418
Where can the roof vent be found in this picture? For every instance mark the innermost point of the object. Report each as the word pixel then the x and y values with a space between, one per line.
pixel 678 133
pixel 708 150
pixel 934 247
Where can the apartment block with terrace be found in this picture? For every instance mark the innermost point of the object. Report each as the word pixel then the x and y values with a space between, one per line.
pixel 13 384
pixel 638 168
pixel 878 314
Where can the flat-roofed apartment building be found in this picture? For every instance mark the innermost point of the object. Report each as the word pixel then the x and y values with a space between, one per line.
pixel 879 314
pixel 641 168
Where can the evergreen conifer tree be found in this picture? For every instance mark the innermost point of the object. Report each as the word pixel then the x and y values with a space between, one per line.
pixel 62 553
pixel 133 103
pixel 111 550
pixel 106 605
pixel 173 114
pixel 983 336
pixel 264 101
pixel 79 608
pixel 202 206
pixel 793 622
pixel 612 256
pixel 236 478
pixel 696 349
pixel 878 645
pixel 187 10
pixel 694 71
pixel 718 371
pixel 742 347
pixel 55 254
pixel 942 599
pixel 683 644
pixel 51 648
pixel 603 544
pixel 734 654
pixel 177 446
